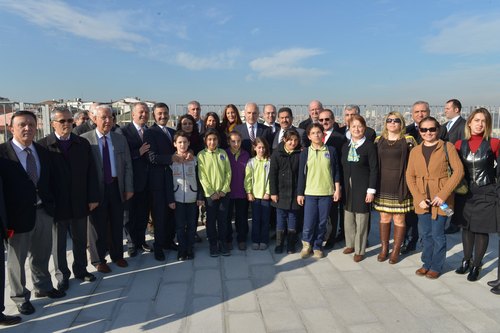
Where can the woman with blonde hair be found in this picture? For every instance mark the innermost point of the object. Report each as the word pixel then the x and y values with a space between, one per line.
pixel 393 200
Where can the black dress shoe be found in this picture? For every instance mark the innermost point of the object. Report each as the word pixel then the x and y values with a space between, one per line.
pixel 159 255
pixel 53 293
pixel 6 320
pixel 146 248
pixel 494 283
pixel 190 255
pixel 63 285
pixel 171 246
pixel 182 256
pixel 496 290
pixel 464 268
pixel 452 229
pixel 330 243
pixel 197 238
pixel 26 308
pixel 87 277
pixel 474 273
pixel 132 252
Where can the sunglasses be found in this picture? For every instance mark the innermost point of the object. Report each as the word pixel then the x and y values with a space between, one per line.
pixel 62 121
pixel 393 120
pixel 430 129
pixel 323 119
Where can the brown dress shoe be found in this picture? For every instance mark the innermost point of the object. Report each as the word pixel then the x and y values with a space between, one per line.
pixel 121 263
pixel 358 257
pixel 421 271
pixel 348 250
pixel 432 275
pixel 103 268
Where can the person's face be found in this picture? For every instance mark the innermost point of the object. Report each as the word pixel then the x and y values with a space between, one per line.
pixel 260 150
pixel 211 141
pixel 231 115
pixel 83 118
pixel 477 124
pixel 285 120
pixel 314 110
pixel 348 116
pixel 450 111
pixel 269 114
pixel 140 115
pixel 63 124
pixel 315 136
pixel 251 114
pixel 292 143
pixel 326 119
pixel 211 122
pixel 23 129
pixel 357 130
pixel 235 142
pixel 431 131
pixel 187 125
pixel 161 116
pixel 393 124
pixel 195 111
pixel 181 144
pixel 104 121
pixel 419 112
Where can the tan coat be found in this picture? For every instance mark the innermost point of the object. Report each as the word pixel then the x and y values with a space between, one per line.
pixel 435 176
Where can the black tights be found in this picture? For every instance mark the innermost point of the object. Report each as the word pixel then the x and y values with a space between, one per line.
pixel 474 241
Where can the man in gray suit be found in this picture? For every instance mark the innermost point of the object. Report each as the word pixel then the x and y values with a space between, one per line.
pixel 115 178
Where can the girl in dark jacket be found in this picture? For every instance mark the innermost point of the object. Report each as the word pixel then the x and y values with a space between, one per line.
pixel 283 177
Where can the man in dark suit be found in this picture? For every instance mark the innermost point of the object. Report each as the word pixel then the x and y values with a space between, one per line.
pixel 76 195
pixel 349 111
pixel 455 126
pixel 5 320
pixel 314 109
pixel 115 179
pixel 420 110
pixel 161 149
pixel 138 205
pixel 194 109
pixel 26 174
pixel 251 128
pixel 269 116
pixel 89 124
pixel 285 119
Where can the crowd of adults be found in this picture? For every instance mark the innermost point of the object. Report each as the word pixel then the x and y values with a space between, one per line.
pixel 93 180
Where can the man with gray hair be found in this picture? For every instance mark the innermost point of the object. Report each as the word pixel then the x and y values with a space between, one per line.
pixel 194 109
pixel 349 111
pixel 315 108
pixel 88 125
pixel 80 117
pixel 251 129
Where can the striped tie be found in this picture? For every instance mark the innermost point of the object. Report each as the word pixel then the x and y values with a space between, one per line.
pixel 31 166
pixel 252 135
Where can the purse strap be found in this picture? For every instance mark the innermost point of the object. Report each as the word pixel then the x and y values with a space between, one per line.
pixel 450 171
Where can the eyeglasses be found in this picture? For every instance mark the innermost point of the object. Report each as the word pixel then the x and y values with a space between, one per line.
pixel 430 129
pixel 62 121
pixel 323 119
pixel 393 120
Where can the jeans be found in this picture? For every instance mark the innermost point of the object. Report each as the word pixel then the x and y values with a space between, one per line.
pixel 433 241
pixel 185 225
pixel 217 219
pixel 316 210
pixel 240 208
pixel 286 219
pixel 261 213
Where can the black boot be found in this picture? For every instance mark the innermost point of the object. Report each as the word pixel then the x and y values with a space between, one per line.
pixel 474 273
pixel 496 283
pixel 290 241
pixel 279 241
pixel 464 268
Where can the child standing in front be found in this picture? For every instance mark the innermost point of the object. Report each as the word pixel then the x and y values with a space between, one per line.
pixel 215 178
pixel 318 186
pixel 187 196
pixel 257 188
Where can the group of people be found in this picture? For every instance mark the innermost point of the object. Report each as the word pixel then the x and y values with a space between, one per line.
pixel 97 179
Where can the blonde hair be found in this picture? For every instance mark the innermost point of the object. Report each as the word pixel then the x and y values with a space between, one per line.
pixel 487 125
pixel 398 115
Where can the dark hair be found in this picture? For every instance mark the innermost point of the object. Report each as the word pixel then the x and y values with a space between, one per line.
pixel 429 118
pixel 312 125
pixel 264 143
pixel 182 134
pixel 190 118
pixel 233 132
pixel 456 103
pixel 213 115
pixel 211 131
pixel 285 109
pixel 225 122
pixel 22 113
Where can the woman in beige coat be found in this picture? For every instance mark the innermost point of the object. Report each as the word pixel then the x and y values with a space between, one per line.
pixel 431 187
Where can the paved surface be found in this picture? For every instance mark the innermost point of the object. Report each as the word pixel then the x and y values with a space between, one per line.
pixel 258 291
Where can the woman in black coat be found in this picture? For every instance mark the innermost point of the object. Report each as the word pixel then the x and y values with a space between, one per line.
pixel 283 175
pixel 359 161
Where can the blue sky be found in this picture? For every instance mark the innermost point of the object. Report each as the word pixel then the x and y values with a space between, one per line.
pixel 282 52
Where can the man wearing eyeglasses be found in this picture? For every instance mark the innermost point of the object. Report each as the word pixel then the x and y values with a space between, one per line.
pixel 76 196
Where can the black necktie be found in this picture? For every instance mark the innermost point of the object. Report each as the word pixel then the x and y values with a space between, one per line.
pixel 31 166
pixel 106 162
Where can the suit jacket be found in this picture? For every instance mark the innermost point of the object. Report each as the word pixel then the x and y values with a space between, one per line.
pixel 21 198
pixel 246 143
pixel 304 141
pixel 160 156
pixel 3 223
pixel 75 177
pixel 303 124
pixel 140 164
pixel 84 128
pixel 457 131
pixel 413 131
pixel 369 133
pixel 123 163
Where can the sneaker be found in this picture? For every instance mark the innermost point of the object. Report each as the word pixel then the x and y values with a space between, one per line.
pixel 306 250
pixel 263 246
pixel 255 246
pixel 318 254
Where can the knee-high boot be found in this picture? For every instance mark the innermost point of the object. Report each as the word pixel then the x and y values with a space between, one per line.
pixel 399 236
pixel 496 283
pixel 385 232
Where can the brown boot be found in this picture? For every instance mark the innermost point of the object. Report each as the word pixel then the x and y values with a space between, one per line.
pixel 385 232
pixel 399 236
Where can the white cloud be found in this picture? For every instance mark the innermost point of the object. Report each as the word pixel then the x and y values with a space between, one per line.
pixel 466 35
pixel 286 64
pixel 54 14
pixel 223 60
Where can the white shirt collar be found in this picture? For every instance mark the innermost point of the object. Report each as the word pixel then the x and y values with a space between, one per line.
pixel 359 143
